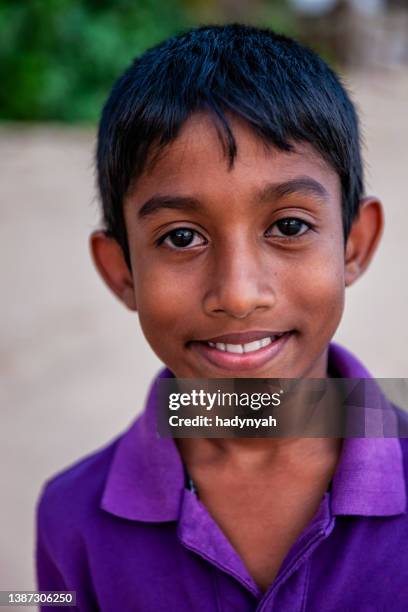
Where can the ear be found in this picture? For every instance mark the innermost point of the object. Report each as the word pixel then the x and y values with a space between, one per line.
pixel 363 239
pixel 110 262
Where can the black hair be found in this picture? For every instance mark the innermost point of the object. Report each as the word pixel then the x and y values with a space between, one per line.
pixel 283 90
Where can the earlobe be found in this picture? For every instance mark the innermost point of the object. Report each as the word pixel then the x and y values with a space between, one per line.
pixel 363 239
pixel 110 262
pixel 352 267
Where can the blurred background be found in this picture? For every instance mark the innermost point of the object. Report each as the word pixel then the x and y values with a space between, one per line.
pixel 74 366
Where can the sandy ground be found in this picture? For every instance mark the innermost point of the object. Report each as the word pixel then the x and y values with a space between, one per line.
pixel 73 363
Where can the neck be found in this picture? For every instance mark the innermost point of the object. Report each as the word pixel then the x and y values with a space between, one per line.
pixel 250 453
pixel 269 453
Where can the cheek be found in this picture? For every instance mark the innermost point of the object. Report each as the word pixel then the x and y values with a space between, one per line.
pixel 320 291
pixel 166 303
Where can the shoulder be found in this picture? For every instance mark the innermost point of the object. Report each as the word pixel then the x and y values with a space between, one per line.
pixel 402 417
pixel 71 497
pixel 402 420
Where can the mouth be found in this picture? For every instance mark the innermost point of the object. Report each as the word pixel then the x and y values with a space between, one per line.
pixel 244 351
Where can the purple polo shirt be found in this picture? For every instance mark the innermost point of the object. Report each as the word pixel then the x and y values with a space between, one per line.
pixel 121 529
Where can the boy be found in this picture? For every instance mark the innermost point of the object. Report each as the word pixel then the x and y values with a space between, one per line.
pixel 231 182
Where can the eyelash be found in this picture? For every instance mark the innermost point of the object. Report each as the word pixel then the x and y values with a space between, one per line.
pixel 163 238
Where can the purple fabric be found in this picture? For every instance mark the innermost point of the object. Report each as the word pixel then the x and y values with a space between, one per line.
pixel 120 528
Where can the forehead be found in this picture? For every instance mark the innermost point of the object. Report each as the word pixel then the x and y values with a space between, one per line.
pixel 196 163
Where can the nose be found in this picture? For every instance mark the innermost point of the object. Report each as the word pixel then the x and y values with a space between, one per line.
pixel 241 282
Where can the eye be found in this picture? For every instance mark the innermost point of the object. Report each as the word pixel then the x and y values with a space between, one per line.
pixel 289 226
pixel 182 238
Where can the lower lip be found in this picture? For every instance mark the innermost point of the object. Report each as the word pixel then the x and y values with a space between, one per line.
pixel 235 362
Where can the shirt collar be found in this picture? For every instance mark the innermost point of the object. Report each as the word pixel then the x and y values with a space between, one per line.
pixel 146 477
pixel 369 478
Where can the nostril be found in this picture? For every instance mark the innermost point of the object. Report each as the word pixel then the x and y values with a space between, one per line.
pixel 236 301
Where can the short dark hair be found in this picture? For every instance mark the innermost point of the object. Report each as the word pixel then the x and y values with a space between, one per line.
pixel 283 90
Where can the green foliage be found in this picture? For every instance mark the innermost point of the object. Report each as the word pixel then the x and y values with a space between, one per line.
pixel 59 58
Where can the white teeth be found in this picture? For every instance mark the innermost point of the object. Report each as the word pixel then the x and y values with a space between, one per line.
pixel 252 346
pixel 234 348
pixel 249 347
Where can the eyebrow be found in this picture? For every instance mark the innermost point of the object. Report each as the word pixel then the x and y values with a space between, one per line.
pixel 302 185
pixel 156 203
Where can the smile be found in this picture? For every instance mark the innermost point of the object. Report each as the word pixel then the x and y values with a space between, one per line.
pixel 242 352
pixel 249 347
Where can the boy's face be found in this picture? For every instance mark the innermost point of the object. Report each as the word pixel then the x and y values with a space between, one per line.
pixel 232 256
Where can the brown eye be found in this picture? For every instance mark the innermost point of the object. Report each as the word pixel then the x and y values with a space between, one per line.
pixel 182 238
pixel 289 226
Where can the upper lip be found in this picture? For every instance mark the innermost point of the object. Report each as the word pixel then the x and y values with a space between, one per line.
pixel 244 337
